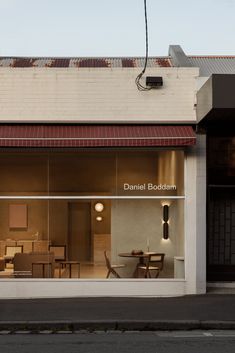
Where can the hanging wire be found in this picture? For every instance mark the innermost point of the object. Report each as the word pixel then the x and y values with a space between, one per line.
pixel 138 78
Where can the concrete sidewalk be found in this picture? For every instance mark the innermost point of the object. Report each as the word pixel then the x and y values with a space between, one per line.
pixel 188 312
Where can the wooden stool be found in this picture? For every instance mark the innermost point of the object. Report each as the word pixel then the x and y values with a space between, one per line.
pixel 69 264
pixel 44 265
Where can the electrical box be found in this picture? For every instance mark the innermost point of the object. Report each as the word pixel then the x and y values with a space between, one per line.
pixel 154 81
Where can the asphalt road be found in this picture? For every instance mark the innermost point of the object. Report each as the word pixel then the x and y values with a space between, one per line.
pixel 110 342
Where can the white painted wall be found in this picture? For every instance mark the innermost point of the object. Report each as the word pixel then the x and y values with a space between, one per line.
pixel 46 288
pixel 137 223
pixel 95 95
pixel 201 215
pixel 195 218
pixel 201 81
pixel 190 220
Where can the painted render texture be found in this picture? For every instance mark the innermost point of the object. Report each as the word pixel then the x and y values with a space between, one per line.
pixel 110 95
pixel 96 95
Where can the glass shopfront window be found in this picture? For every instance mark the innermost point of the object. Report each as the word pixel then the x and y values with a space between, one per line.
pixel 129 173
pixel 62 212
pixel 23 174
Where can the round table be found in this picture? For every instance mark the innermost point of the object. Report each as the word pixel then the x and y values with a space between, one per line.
pixel 140 257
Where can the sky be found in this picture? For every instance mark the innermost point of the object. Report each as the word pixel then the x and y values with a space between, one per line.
pixel 115 27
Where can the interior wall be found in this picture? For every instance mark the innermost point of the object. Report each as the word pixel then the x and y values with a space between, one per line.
pixel 37 211
pixel 180 248
pixel 23 173
pixel 136 168
pixel 84 173
pixel 103 227
pixel 79 231
pixel 58 222
pixel 135 223
pixel 37 220
pixel 170 170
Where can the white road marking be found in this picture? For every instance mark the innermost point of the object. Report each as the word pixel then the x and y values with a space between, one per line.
pixel 207 334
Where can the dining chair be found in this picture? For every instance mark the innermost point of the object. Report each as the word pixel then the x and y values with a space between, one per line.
pixel 111 268
pixel 154 263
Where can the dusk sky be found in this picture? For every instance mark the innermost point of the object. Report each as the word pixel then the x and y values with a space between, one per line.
pixel 115 27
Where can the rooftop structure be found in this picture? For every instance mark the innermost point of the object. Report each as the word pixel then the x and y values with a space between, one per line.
pixel 208 65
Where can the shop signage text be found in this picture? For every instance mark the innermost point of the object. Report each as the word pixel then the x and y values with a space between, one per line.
pixel 148 187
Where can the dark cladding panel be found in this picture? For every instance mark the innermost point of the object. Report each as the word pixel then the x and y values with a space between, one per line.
pixel 224 91
pixel 216 100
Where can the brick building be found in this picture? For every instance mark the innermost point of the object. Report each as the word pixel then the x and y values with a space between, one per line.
pixel 90 164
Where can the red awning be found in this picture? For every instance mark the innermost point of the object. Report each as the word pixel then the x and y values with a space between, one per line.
pixel 47 135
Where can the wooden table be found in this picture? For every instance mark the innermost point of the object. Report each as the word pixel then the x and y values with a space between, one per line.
pixel 69 264
pixel 140 257
pixel 44 264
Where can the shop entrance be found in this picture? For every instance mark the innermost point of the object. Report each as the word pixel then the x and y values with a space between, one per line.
pixel 221 234
pixel 220 205
pixel 79 222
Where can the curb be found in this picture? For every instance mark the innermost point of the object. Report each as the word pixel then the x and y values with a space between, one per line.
pixel 121 325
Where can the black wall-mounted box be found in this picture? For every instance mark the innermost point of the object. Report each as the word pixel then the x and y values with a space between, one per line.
pixel 154 81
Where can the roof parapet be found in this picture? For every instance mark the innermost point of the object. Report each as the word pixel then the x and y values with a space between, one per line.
pixel 178 57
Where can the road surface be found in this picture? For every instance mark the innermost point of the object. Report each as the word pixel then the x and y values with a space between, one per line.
pixel 118 342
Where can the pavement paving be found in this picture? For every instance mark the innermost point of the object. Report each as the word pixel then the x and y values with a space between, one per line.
pixel 72 314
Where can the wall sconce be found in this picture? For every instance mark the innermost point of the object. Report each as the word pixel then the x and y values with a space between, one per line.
pixel 99 219
pixel 165 222
pixel 99 207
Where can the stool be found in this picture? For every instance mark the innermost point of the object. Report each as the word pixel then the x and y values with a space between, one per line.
pixel 69 264
pixel 44 265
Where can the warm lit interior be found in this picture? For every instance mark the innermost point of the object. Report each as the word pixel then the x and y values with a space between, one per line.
pixel 60 211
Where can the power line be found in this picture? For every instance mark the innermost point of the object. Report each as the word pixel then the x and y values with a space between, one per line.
pixel 138 78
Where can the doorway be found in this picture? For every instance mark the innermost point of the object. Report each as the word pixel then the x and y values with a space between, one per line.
pixel 79 235
pixel 221 234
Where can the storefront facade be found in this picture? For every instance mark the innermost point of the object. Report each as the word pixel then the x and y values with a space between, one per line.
pixel 217 124
pixel 90 165
pixel 215 119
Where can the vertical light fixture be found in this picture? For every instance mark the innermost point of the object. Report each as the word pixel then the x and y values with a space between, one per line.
pixel 165 222
pixel 99 207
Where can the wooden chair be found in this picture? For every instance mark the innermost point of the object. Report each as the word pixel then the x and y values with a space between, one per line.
pixel 154 263
pixel 111 268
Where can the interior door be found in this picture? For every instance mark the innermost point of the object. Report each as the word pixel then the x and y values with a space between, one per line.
pixel 79 242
